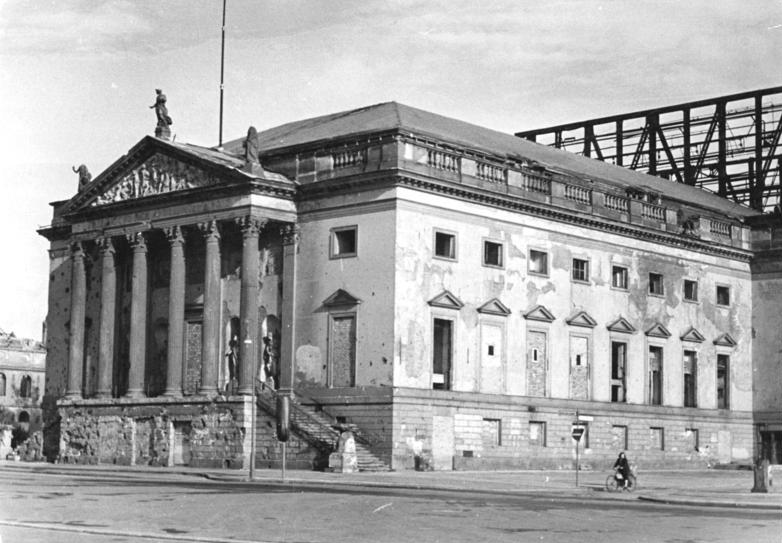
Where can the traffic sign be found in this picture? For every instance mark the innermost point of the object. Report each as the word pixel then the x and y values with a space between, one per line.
pixel 577 432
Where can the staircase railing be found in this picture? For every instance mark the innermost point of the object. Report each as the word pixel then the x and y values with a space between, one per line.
pixel 360 435
pixel 299 417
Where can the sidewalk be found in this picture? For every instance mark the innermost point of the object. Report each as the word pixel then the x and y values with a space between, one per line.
pixel 702 487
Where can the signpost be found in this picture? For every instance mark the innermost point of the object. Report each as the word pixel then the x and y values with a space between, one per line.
pixel 577 431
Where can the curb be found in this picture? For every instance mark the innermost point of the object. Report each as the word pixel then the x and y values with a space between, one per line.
pixel 711 503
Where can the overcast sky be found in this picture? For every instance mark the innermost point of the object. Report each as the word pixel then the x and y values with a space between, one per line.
pixel 77 77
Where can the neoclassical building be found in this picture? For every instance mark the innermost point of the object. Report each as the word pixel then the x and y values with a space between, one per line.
pixel 456 296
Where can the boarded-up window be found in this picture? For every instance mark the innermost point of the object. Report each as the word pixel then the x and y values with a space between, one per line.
pixel 342 350
pixel 537 434
pixel 492 432
pixel 492 340
pixel 579 368
pixel 656 438
pixel 192 357
pixel 536 364
pixel 691 439
pixel 619 437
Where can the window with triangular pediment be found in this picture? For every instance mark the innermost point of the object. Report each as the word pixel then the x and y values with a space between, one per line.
pixel 539 313
pixel 446 300
pixel 494 307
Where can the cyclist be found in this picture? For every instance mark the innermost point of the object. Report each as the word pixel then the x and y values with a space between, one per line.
pixel 623 467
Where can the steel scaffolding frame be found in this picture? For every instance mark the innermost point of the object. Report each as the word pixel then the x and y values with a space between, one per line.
pixel 729 145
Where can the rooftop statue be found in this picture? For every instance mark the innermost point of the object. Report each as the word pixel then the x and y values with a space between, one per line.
pixel 163 120
pixel 251 151
pixel 84 175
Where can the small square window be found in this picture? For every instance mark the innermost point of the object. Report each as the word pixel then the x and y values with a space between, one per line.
pixel 492 254
pixel 445 245
pixel 538 262
pixel 656 284
pixel 490 350
pixel 723 295
pixel 344 242
pixel 580 270
pixel 690 290
pixel 619 277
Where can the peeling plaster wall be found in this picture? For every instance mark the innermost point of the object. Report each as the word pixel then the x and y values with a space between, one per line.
pixel 369 277
pixel 420 277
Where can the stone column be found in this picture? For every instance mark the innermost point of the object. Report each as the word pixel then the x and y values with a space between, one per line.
pixel 290 241
pixel 176 312
pixel 76 337
pixel 138 317
pixel 248 349
pixel 210 356
pixel 108 304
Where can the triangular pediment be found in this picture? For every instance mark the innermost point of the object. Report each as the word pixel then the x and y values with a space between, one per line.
pixel 155 167
pixel 725 340
pixel 692 335
pixel 621 325
pixel 494 307
pixel 447 300
pixel 658 330
pixel 582 318
pixel 539 313
pixel 341 298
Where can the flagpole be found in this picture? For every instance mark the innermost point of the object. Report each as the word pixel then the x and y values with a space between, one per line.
pixel 222 74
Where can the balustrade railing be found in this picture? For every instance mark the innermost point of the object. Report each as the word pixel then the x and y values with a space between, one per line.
pixel 535 183
pixel 443 161
pixel 578 194
pixel 654 212
pixel 490 172
pixel 719 228
pixel 617 203
pixel 345 159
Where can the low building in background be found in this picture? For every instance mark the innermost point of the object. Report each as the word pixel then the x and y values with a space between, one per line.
pixel 22 373
pixel 455 297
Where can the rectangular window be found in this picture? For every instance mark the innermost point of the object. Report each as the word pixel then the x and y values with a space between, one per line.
pixel 618 367
pixel 492 432
pixel 537 433
pixel 619 437
pixel 619 277
pixel 690 290
pixel 442 353
pixel 691 438
pixel 579 368
pixel 690 381
pixel 538 262
pixel 445 245
pixel 723 381
pixel 656 284
pixel 655 396
pixel 492 254
pixel 657 438
pixel 344 242
pixel 580 270
pixel 723 295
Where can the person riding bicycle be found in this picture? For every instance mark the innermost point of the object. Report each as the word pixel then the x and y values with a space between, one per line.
pixel 623 467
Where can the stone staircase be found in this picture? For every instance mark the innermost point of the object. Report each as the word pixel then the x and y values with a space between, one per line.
pixel 320 430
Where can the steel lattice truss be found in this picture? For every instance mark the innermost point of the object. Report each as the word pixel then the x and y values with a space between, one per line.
pixel 729 145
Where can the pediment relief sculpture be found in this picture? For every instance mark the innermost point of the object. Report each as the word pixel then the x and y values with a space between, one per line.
pixel 158 175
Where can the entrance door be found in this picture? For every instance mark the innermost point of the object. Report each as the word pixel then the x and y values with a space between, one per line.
pixel 536 363
pixel 342 350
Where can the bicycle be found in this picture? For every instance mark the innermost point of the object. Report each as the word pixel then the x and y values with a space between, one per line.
pixel 616 482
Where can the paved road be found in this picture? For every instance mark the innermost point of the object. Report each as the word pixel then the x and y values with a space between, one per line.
pixel 144 507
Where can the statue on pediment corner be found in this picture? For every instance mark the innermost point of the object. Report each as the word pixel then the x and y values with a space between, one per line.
pixel 163 120
pixel 84 175
pixel 251 151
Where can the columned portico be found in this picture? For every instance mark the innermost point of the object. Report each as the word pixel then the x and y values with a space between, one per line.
pixel 138 316
pixel 211 325
pixel 76 337
pixel 176 311
pixel 290 241
pixel 108 294
pixel 248 350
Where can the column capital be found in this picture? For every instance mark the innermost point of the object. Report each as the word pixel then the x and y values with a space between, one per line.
pixel 291 233
pixel 137 241
pixel 251 226
pixel 209 229
pixel 106 245
pixel 77 249
pixel 174 235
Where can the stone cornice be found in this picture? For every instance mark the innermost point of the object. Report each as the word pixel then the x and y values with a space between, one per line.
pixel 511 203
